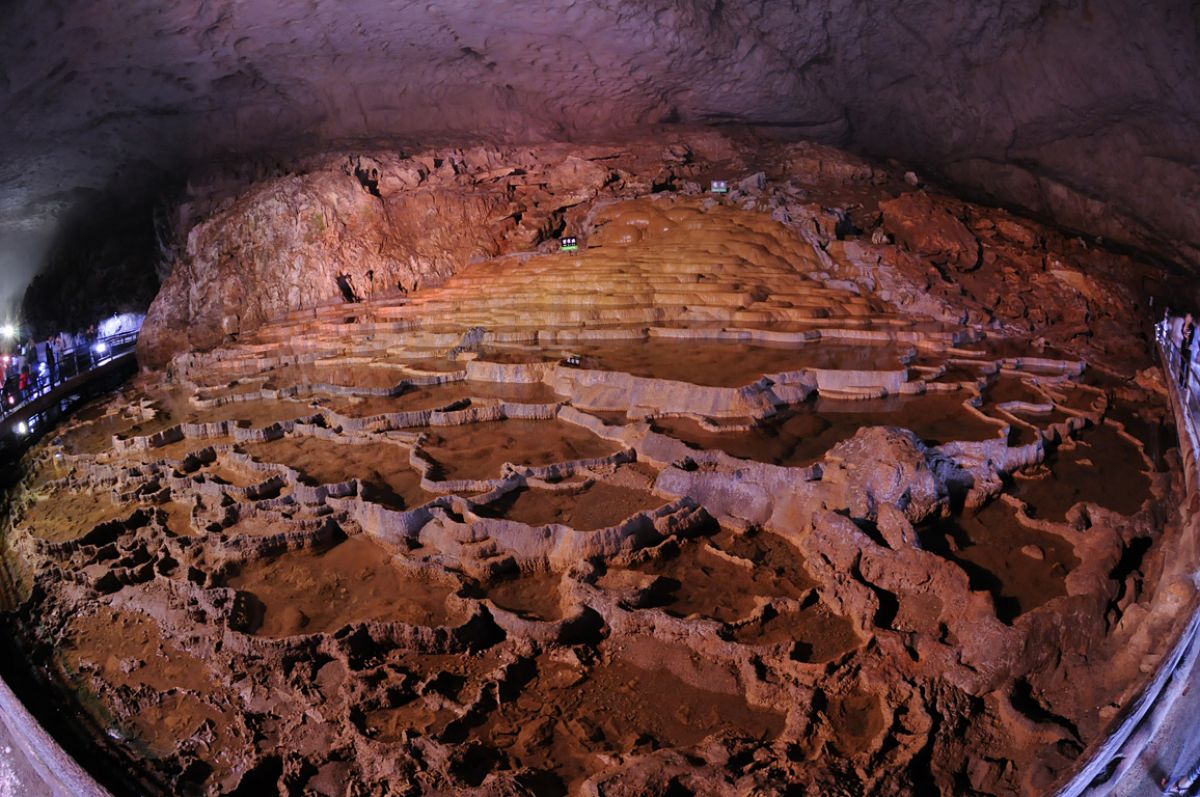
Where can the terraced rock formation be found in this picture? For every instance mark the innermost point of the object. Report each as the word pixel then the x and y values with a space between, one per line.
pixel 779 492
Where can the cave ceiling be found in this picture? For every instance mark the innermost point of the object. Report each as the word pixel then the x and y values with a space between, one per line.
pixel 1086 112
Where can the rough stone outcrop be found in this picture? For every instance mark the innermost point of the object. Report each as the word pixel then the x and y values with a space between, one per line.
pixel 392 223
pixel 930 231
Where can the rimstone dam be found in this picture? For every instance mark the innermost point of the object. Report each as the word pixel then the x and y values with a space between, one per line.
pixel 705 426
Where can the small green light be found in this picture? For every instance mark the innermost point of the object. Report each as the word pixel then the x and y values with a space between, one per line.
pixel 569 244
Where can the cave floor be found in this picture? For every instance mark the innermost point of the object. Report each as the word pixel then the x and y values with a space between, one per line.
pixel 679 508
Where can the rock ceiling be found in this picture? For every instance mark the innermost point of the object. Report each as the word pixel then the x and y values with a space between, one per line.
pixel 1085 111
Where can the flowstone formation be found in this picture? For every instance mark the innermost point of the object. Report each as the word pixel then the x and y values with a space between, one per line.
pixel 828 485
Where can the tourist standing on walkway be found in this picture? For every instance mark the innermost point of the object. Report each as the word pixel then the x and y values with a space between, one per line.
pixel 1185 349
pixel 10 387
pixel 42 347
pixel 82 349
pixel 93 355
pixel 52 356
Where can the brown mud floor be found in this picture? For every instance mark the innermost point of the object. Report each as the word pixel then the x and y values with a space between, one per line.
pixel 313 592
pixel 96 437
pixel 663 623
pixel 1011 388
pixel 534 596
pixel 1089 471
pixel 383 468
pixel 440 396
pixel 256 414
pixel 721 364
pixel 368 377
pixel 477 451
pixel 553 725
pixel 803 434
pixel 596 505
pixel 1155 429
pixel 177 451
pixel 1022 568
pixel 65 516
pixel 696 580
pixel 127 649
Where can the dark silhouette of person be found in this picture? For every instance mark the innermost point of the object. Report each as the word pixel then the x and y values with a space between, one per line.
pixel 52 357
pixel 347 288
pixel 1185 350
pixel 10 387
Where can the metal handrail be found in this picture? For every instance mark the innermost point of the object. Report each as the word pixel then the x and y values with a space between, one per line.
pixel 92 356
pixel 1189 396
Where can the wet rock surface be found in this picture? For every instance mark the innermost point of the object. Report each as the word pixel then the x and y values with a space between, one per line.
pixel 719 504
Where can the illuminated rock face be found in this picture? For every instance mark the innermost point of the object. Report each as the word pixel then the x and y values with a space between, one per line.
pixel 390 223
pixel 819 484
pixel 1081 111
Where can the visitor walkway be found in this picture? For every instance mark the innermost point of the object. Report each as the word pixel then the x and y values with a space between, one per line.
pixel 1186 401
pixel 79 371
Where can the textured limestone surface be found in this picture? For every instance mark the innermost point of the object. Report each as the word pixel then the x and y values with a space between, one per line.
pixel 392 223
pixel 1083 110
pixel 826 485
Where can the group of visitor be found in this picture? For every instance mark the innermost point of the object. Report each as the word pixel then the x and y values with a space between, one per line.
pixel 1178 334
pixel 37 366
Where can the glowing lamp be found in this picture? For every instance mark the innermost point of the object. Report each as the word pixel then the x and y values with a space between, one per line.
pixel 8 330
pixel 719 187
pixel 22 428
pixel 100 347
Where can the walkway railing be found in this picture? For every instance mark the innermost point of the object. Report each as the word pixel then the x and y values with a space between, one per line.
pixel 71 363
pixel 1188 395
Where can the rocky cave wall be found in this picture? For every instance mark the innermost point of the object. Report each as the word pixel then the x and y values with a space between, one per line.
pixel 391 223
pixel 1084 110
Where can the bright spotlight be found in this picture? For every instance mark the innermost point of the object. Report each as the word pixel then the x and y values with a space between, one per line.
pixel 8 330
pixel 22 428
pixel 100 347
